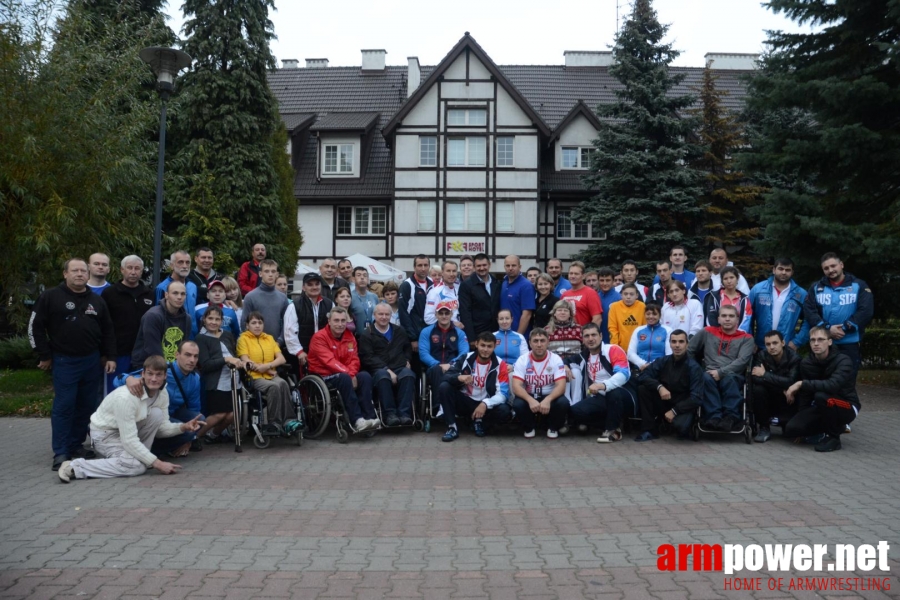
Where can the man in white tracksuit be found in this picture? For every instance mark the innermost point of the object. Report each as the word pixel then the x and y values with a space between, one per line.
pixel 123 429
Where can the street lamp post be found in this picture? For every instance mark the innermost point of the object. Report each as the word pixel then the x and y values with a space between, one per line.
pixel 166 63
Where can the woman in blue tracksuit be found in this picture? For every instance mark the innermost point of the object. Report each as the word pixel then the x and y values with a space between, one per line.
pixel 510 344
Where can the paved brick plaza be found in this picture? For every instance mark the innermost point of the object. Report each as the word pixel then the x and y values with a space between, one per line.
pixel 403 515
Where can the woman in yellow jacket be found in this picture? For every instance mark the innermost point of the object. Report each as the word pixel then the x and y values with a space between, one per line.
pixel 261 356
pixel 625 316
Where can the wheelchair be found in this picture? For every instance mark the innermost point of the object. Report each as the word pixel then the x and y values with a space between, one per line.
pixel 250 416
pixel 321 402
pixel 425 404
pixel 749 426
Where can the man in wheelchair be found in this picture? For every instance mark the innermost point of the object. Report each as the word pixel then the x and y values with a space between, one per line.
pixel 334 356
pixel 385 352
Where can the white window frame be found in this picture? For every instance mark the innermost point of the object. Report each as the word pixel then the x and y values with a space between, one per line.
pixel 471 154
pixel 472 208
pixel 430 206
pixel 356 220
pixel 466 114
pixel 582 158
pixel 432 160
pixel 511 151
pixel 510 225
pixel 340 167
pixel 592 233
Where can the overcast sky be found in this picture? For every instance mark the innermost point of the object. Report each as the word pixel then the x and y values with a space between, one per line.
pixel 512 32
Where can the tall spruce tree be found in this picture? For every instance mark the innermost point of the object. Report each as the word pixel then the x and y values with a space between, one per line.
pixel 647 196
pixel 228 109
pixel 835 172
pixel 729 194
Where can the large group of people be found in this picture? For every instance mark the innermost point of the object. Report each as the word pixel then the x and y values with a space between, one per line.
pixel 551 352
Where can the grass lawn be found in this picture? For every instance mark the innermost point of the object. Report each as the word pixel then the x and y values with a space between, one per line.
pixel 25 393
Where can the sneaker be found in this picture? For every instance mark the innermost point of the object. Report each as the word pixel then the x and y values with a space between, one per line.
pixel 374 424
pixel 529 434
pixel 645 437
pixel 291 426
pixel 479 428
pixel 392 420
pixel 813 439
pixel 210 438
pixel 361 424
pixel 196 445
pixel 552 434
pixel 725 424
pixel 452 434
pixel 609 435
pixel 846 429
pixel 67 471
pixel 406 421
pixel 564 430
pixel 737 425
pixel 711 424
pixel 582 428
pixel 58 460
pixel 829 444
pixel 763 435
pixel 774 421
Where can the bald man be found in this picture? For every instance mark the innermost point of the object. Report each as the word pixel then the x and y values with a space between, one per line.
pixel 517 294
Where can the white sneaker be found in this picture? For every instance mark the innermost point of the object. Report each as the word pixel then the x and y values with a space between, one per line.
pixel 529 434
pixel 66 472
pixel 582 428
pixel 374 423
pixel 552 434
pixel 608 436
pixel 847 428
pixel 361 424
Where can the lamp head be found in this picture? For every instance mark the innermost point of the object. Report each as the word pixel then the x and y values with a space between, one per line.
pixel 166 63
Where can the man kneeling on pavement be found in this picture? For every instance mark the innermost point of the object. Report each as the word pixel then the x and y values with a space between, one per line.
pixel 672 387
pixel 124 426
pixel 826 394
pixel 726 352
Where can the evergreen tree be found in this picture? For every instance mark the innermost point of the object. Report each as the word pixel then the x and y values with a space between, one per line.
pixel 646 199
pixel 227 108
pixel 729 195
pixel 834 171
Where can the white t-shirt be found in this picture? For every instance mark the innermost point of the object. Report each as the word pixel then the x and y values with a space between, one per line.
pixel 778 299
pixel 477 390
pixel 539 377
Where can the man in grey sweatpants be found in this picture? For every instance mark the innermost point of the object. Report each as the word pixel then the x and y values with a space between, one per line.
pixel 123 429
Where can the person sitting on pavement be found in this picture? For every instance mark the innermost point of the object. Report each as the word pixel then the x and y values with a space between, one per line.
pixel 539 387
pixel 334 356
pixel 670 387
pixel 650 341
pixel 441 345
pixel 124 427
pixel 218 358
pixel 725 352
pixel 261 356
pixel 477 385
pixel 825 394
pixel 775 369
pixel 385 352
pixel 510 343
pixel 606 393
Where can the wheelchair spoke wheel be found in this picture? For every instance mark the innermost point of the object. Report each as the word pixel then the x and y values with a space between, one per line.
pixel 316 403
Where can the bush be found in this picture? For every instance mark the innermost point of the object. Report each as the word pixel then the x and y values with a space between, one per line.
pixel 16 353
pixel 881 347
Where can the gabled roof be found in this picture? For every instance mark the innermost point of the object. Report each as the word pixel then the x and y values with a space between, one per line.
pixel 467 42
pixel 346 121
pixel 294 121
pixel 580 108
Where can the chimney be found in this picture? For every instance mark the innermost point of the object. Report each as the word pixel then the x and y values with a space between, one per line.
pixel 588 58
pixel 316 63
pixel 373 60
pixel 290 63
pixel 725 61
pixel 414 76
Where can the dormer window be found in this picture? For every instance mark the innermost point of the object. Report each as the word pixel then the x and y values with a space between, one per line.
pixel 338 159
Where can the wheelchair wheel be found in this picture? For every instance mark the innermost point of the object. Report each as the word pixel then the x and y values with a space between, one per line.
pixel 748 434
pixel 695 432
pixel 299 437
pixel 316 401
pixel 263 442
pixel 419 425
pixel 342 435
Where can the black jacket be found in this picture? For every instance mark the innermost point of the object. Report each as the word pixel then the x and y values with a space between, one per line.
pixel 126 308
pixel 412 306
pixel 779 375
pixel 478 309
pixel 202 283
pixel 543 310
pixel 328 291
pixel 71 323
pixel 211 358
pixel 306 326
pixel 376 352
pixel 832 376
pixel 683 379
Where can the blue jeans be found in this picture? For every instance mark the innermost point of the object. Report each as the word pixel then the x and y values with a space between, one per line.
pixel 399 403
pixel 180 415
pixel 76 381
pixel 722 398
pixel 358 402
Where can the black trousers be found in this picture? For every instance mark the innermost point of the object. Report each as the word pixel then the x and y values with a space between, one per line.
pixel 653 408
pixel 770 402
pixel 559 409
pixel 605 410
pixel 455 402
pixel 827 415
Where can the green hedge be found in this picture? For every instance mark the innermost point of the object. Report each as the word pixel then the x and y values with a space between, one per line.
pixel 881 348
pixel 16 353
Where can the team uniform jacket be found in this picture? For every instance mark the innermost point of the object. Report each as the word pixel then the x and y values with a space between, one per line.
pixel 329 355
pixel 412 306
pixel 126 307
pixel 849 304
pixel 643 290
pixel 539 384
pixel 728 354
pixel 762 299
pixel 496 384
pixel 229 319
pixel 71 323
pixel 442 346
pixel 510 345
pixel 649 343
pixel 611 368
pixel 688 316
pixel 443 293
pixel 697 294
pixel 713 302
pixel 779 375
